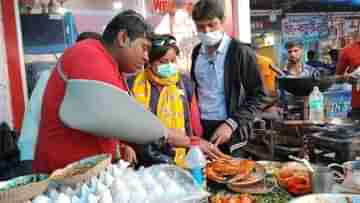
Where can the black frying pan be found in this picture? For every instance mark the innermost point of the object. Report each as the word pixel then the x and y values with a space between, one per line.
pixel 301 86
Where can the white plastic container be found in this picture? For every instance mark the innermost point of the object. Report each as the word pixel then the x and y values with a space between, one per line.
pixel 316 106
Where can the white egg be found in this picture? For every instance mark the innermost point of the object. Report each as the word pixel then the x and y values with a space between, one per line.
pixel 141 171
pixel 100 188
pixel 138 193
pixel 75 199
pixel 62 198
pixel 163 179
pixel 120 192
pixel 112 168
pixel 41 199
pixel 117 172
pixel 67 190
pixel 93 184
pixel 123 164
pixel 102 176
pixel 83 199
pixel 117 186
pixel 175 191
pixel 53 193
pixel 108 179
pixel 156 192
pixel 85 191
pixel 161 174
pixel 77 188
pixel 106 197
pixel 109 168
pixel 93 199
pixel 148 179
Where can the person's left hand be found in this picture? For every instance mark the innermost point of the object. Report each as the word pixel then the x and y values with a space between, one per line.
pixel 222 134
pixel 130 155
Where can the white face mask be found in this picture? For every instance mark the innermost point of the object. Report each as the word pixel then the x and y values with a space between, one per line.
pixel 211 38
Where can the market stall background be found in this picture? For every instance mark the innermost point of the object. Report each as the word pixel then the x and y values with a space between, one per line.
pixel 93 15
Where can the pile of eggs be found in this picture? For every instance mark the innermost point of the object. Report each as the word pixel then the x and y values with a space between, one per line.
pixel 121 184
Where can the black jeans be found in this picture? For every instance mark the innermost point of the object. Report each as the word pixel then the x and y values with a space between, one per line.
pixel 355 114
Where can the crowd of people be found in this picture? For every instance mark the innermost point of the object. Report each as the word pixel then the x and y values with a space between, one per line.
pixel 227 88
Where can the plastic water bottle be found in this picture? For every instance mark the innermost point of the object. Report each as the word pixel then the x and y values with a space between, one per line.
pixel 316 106
pixel 196 161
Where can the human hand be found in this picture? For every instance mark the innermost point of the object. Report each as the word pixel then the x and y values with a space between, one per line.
pixel 212 151
pixel 130 155
pixel 222 134
pixel 178 138
pixel 273 112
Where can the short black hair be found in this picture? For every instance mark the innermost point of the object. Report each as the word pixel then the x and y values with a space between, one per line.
pixel 167 42
pixel 208 10
pixel 292 44
pixel 129 21
pixel 333 52
pixel 88 35
pixel 311 54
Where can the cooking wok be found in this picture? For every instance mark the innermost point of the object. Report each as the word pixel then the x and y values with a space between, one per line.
pixel 302 86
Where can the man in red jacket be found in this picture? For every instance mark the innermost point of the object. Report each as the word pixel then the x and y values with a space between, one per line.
pixel 124 49
pixel 349 62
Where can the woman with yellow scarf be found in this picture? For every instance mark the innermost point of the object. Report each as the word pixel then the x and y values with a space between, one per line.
pixel 170 96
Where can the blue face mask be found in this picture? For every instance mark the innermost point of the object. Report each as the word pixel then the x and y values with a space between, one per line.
pixel 166 70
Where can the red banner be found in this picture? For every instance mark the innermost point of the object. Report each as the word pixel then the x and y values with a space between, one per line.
pixel 162 6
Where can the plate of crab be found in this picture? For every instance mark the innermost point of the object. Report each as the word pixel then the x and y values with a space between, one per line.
pixel 243 198
pixel 236 174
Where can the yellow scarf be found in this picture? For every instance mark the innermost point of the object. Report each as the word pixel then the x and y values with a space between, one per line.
pixel 170 108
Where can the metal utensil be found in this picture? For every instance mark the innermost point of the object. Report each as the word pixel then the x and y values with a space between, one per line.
pixel 322 180
pixel 303 161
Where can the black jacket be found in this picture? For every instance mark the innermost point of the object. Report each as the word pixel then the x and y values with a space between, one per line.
pixel 244 93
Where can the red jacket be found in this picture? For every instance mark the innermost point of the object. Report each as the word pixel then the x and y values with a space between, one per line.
pixel 349 60
pixel 57 144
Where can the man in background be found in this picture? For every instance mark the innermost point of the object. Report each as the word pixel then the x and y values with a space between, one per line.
pixel 295 65
pixel 313 61
pixel 267 72
pixel 349 62
pixel 88 35
pixel 334 56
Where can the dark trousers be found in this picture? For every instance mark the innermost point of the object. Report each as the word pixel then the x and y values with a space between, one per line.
pixel 355 114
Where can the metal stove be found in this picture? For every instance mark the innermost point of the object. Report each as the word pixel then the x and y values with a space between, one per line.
pixel 335 144
pixel 278 141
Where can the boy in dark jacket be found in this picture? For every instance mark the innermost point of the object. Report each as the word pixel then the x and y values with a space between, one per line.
pixel 228 82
